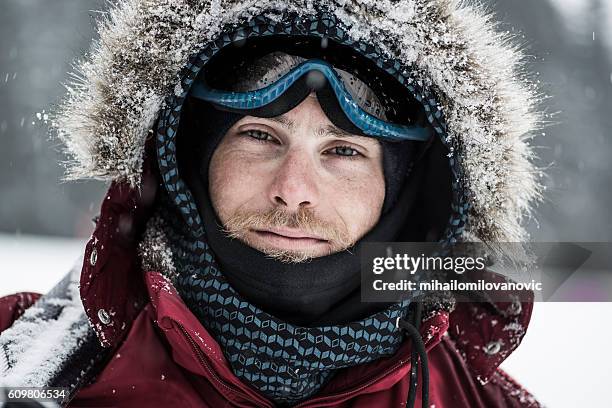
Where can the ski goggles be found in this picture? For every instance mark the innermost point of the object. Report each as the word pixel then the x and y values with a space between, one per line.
pixel 335 91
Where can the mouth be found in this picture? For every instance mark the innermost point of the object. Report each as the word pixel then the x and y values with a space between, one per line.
pixel 290 239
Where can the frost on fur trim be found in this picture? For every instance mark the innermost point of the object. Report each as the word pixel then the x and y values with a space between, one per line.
pixel 119 88
pixel 474 70
pixel 153 250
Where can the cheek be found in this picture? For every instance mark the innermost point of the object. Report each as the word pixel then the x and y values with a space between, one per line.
pixel 234 181
pixel 358 200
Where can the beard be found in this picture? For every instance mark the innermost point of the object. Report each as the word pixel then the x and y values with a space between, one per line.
pixel 241 225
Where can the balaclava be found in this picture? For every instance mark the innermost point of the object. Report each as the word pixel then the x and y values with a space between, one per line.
pixel 325 289
pixel 312 311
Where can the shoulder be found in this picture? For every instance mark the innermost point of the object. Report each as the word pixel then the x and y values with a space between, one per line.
pixel 49 343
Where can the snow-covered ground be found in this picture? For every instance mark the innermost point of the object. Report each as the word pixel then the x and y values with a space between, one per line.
pixel 35 263
pixel 565 359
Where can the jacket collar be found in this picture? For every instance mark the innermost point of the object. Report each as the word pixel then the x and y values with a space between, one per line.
pixel 111 287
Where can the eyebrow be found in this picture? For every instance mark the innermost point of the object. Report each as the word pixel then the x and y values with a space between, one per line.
pixel 283 120
pixel 331 130
pixel 328 130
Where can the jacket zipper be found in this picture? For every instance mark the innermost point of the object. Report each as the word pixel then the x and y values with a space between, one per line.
pixel 198 353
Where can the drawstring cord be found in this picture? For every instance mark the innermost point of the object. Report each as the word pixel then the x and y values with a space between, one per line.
pixel 418 353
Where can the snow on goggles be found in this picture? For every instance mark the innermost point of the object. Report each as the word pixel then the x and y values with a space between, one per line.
pixel 311 75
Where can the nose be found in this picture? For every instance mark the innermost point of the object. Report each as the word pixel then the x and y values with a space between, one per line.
pixel 295 184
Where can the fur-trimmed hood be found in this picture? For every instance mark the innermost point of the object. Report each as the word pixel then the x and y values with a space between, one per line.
pixel 489 107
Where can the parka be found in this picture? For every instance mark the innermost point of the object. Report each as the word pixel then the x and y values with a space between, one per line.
pixel 115 332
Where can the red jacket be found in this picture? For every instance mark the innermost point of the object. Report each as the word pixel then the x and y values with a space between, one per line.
pixel 162 355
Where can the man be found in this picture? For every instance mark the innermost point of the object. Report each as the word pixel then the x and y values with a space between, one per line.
pixel 253 150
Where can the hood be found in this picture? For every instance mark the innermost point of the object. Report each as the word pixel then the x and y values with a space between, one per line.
pixel 469 74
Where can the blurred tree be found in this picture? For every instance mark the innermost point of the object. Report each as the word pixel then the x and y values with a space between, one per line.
pixel 38 40
pixel 574 69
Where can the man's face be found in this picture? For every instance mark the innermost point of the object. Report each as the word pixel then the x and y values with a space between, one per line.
pixel 295 186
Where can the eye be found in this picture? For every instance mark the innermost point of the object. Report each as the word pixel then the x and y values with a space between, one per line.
pixel 259 135
pixel 345 151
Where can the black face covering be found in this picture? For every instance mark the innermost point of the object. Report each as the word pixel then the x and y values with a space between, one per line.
pixel 325 290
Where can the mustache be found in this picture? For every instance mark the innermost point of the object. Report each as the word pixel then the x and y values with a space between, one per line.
pixel 237 225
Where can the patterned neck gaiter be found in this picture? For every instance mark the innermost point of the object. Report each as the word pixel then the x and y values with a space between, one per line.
pixel 287 363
